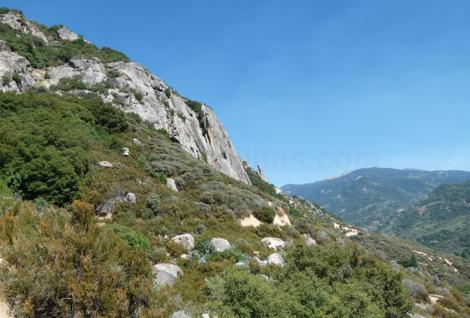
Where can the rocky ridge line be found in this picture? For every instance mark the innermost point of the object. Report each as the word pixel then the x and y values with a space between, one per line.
pixel 131 87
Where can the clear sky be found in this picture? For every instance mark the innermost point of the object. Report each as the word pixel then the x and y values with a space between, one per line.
pixel 307 89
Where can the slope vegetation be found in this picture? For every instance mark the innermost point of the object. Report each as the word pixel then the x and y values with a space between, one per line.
pixel 370 197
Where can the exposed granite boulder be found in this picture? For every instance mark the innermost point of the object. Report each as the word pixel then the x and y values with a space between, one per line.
pixel 273 242
pixel 16 73
pixel 220 244
pixel 171 184
pixel 105 164
pixel 309 241
pixel 106 208
pixel 66 34
pixel 260 262
pixel 180 314
pixel 281 218
pixel 133 89
pixel 250 220
pixel 186 240
pixel 17 22
pixel 131 197
pixel 166 274
pixel 275 259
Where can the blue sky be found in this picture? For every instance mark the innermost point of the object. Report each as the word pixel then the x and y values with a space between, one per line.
pixel 307 89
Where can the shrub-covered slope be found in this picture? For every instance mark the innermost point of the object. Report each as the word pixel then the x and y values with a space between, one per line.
pixel 103 215
pixel 440 221
pixel 87 210
pixel 36 56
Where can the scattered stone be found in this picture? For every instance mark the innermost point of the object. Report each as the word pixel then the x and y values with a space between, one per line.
pixel 275 259
pixel 131 197
pixel 260 262
pixel 205 315
pixel 137 142
pixel 106 208
pixel 125 151
pixel 166 274
pixel 241 264
pixel 180 314
pixel 105 164
pixel 433 298
pixel 250 221
pixel 220 244
pixel 171 184
pixel 421 306
pixel 186 240
pixel 309 241
pixel 273 243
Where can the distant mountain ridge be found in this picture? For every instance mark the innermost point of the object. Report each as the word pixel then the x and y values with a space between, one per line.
pixel 371 197
pixel 440 221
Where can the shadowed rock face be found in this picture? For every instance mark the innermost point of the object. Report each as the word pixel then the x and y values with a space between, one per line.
pixel 132 88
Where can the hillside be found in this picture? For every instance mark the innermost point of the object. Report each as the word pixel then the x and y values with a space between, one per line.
pixel 33 55
pixel 106 212
pixel 370 197
pixel 440 221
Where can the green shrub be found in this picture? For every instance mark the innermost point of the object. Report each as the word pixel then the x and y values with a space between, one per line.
pixel 17 78
pixel 38 157
pixel 265 214
pixel 132 238
pixel 411 262
pixel 196 107
pixel 153 205
pixel 70 267
pixel 316 282
pixel 168 92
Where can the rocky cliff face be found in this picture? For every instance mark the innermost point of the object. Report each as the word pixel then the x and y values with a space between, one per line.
pixel 129 86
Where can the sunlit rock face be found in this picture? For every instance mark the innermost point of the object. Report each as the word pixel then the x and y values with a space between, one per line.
pixel 130 87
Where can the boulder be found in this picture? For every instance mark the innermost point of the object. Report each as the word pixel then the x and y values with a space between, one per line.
pixel 260 262
pixel 105 164
pixel 275 259
pixel 106 208
pixel 171 184
pixel 181 314
pixel 220 244
pixel 125 151
pixel 241 264
pixel 309 241
pixel 17 22
pixel 131 197
pixel 66 34
pixel 273 242
pixel 250 221
pixel 137 142
pixel 281 218
pixel 186 240
pixel 166 274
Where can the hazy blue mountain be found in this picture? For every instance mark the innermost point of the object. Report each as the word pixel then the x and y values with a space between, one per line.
pixel 371 197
